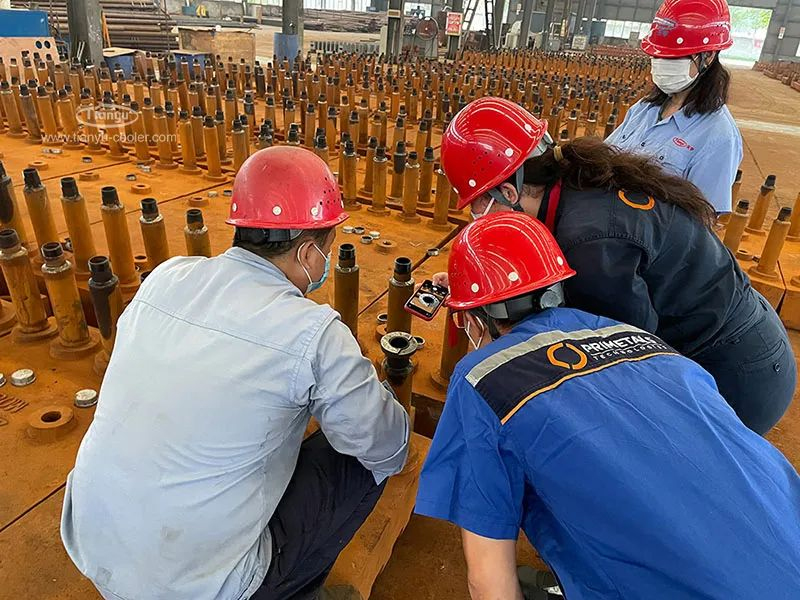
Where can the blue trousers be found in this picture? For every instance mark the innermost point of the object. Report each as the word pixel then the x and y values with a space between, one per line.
pixel 755 372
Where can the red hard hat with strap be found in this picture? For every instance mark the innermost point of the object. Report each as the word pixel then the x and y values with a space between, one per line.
pixel 685 27
pixel 285 187
pixel 486 143
pixel 501 256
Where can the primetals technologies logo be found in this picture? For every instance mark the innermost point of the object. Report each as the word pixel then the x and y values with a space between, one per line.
pixel 106 116
pixel 574 359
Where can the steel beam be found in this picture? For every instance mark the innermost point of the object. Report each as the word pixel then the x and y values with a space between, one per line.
pixel 394 31
pixel 292 21
pixel 85 30
pixel 454 41
pixel 548 19
pixel 525 26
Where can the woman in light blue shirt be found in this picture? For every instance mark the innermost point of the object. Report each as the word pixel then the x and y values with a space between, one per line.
pixel 684 122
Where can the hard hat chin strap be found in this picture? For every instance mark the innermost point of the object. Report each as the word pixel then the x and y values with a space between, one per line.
pixel 516 309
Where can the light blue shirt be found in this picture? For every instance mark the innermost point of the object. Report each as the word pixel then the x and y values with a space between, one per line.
pixel 705 149
pixel 217 368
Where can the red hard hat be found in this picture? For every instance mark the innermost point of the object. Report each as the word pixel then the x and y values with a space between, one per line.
pixel 501 256
pixel 486 143
pixel 285 187
pixel 686 27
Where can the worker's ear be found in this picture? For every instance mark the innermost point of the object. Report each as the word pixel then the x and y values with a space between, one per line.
pixel 509 193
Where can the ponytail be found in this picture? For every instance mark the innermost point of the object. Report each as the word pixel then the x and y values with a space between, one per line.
pixel 590 163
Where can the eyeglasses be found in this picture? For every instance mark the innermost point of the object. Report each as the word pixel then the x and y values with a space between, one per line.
pixel 458 319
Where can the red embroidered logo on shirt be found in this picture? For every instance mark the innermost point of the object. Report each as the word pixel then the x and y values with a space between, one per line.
pixel 681 143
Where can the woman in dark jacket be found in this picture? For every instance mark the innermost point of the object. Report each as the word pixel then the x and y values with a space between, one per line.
pixel 640 241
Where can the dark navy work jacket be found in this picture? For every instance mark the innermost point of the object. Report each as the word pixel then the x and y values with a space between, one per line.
pixel 652 265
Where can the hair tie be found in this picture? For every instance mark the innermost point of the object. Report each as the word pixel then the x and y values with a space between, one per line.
pixel 557 153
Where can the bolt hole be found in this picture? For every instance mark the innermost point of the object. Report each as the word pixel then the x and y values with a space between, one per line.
pixel 51 416
pixel 383 318
pixel 140 257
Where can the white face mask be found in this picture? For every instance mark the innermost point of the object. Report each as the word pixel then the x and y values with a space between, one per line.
pixel 671 75
pixel 475 344
pixel 476 216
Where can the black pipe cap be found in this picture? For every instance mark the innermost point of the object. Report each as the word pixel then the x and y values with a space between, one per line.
pixel 770 181
pixel 8 238
pixel 69 187
pixel 784 213
pixel 402 265
pixel 149 207
pixel 109 196
pixel 31 178
pixel 742 206
pixel 194 215
pixel 52 250
pixel 100 269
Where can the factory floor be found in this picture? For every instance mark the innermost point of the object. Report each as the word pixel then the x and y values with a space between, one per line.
pixel 428 554
pixel 427 562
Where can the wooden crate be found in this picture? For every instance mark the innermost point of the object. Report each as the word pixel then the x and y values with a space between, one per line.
pixel 236 43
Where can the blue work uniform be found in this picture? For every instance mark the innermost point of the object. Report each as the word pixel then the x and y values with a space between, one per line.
pixel 618 458
pixel 650 264
pixel 218 365
pixel 705 149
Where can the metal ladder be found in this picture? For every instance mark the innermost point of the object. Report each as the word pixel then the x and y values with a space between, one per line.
pixel 469 14
pixel 491 34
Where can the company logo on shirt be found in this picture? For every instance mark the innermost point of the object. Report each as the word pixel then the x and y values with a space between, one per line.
pixel 552 358
pixel 569 357
pixel 682 143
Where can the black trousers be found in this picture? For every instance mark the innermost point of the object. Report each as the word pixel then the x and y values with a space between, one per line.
pixel 329 497
pixel 756 372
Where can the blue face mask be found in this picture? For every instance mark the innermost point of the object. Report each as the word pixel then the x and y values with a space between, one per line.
pixel 315 285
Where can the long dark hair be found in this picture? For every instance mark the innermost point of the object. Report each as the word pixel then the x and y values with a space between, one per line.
pixel 590 163
pixel 708 94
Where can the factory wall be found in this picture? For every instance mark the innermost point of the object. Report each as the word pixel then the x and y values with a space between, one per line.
pixel 774 48
pixel 217 9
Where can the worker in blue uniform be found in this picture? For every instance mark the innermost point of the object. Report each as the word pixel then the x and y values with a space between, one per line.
pixel 641 242
pixel 683 122
pixel 616 455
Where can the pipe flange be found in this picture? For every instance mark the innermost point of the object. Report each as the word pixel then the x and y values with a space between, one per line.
pixel 198 201
pixel 50 423
pixel 39 165
pixel 386 246
pixel 88 176
pixel 365 239
pixel 399 344
pixel 141 188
